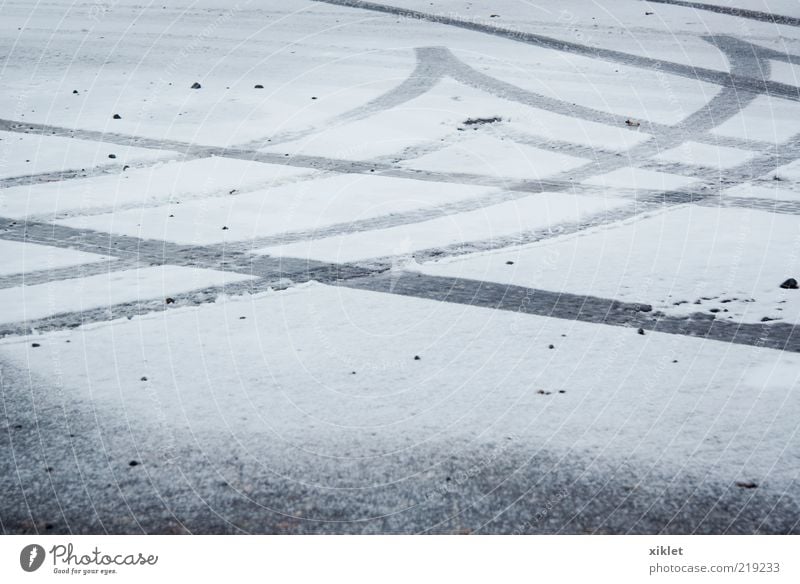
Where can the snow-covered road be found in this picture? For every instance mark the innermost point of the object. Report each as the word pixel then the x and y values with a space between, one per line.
pixel 354 267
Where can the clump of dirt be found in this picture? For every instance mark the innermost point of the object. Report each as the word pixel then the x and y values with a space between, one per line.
pixel 482 121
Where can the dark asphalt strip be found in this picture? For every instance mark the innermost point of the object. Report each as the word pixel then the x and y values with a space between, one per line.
pixel 578 307
pixel 282 272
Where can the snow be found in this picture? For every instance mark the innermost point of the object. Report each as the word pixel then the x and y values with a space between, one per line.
pixel 328 369
pixel 776 191
pixel 789 172
pixel 555 126
pixel 26 303
pixel 494 157
pixel 439 114
pixel 25 154
pixel 284 375
pixel 23 258
pixel 538 211
pixel 767 118
pixel 640 179
pixel 682 261
pixel 672 33
pixel 148 186
pixel 147 79
pixel 432 116
pixel 710 155
pixel 297 206
pixel 784 72
pixel 608 87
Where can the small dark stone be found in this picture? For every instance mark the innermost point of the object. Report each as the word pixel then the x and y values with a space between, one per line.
pixel 196 85
pixel 768 319
pixel 224 227
pixel 313 97
pixel 230 192
pixel 543 392
pixel 645 308
pixel 790 284
pixel 352 373
pixel 746 485
pixel 112 155
pixel 640 331
pixel 509 263
pixel 551 346
pixel 124 168
pixel 562 391
pixel 674 360
pixel 258 86
pixel 417 358
pixel 34 345
pixel 144 378
pixel 133 463
pixel 170 301
pixel 75 92
pixel 117 117
pixel 714 310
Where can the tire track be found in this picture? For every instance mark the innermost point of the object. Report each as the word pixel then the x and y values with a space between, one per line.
pixel 82 271
pixel 583 308
pixel 733 11
pixel 699 73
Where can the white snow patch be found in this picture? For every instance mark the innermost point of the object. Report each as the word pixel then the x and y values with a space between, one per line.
pixel 784 72
pixel 690 259
pixel 710 155
pixel 26 303
pixel 491 156
pixel 152 185
pixel 23 258
pixel 25 154
pixel 638 178
pixel 789 171
pixel 297 206
pixel 774 192
pixel 537 211
pixel 767 118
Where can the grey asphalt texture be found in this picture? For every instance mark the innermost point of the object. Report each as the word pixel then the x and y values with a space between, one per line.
pixel 71 473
